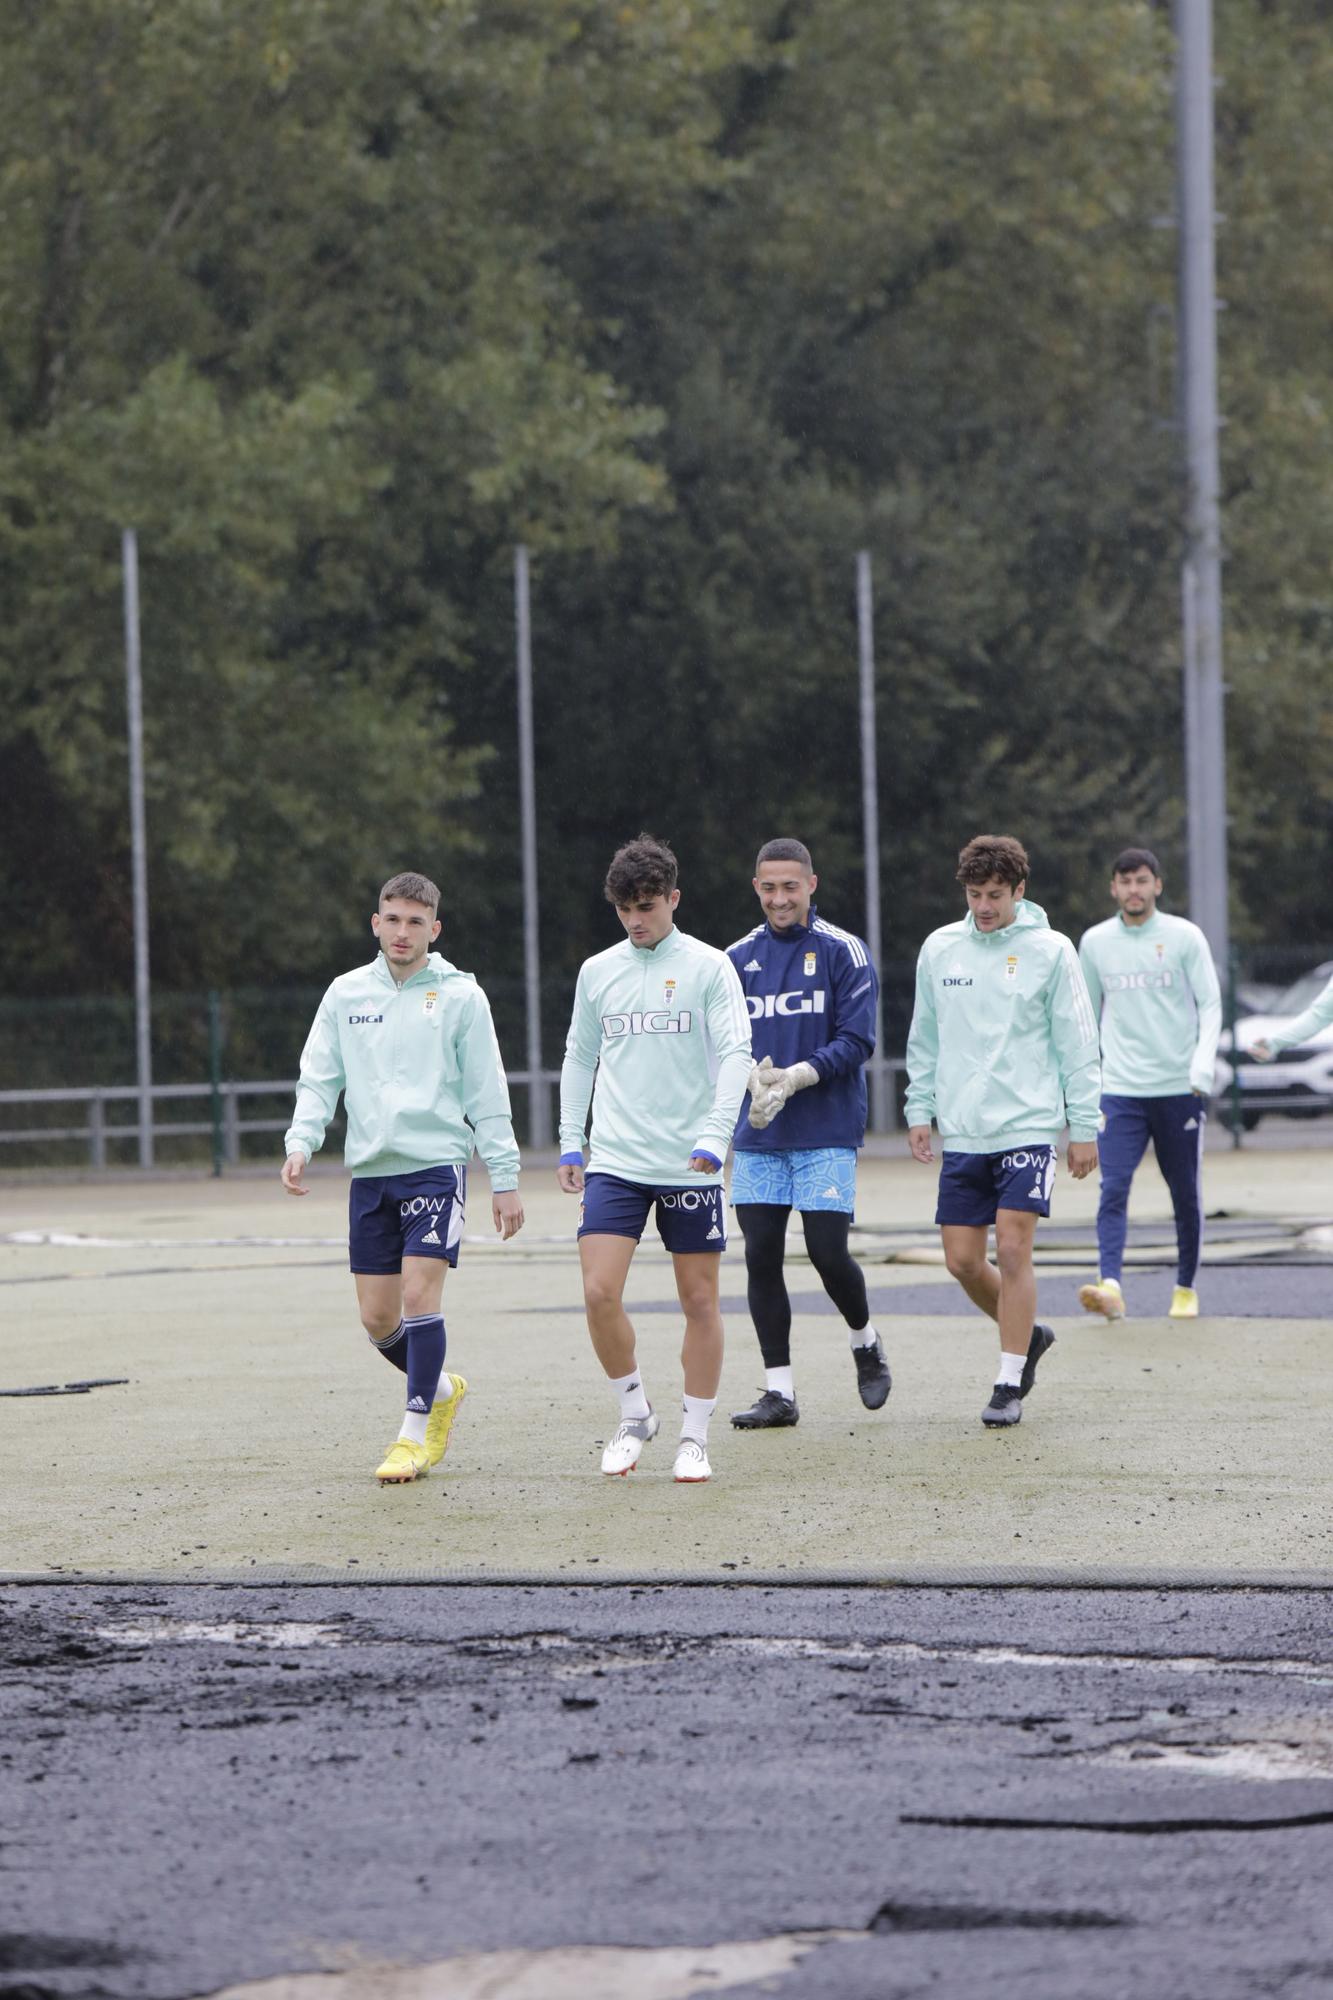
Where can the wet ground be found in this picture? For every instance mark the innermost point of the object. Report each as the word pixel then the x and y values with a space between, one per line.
pixel 857 1792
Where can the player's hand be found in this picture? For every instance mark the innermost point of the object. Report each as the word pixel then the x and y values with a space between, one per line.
pixel 703 1163
pixel 292 1169
pixel 1262 1051
pixel 1082 1158
pixel 918 1138
pixel 570 1177
pixel 507 1210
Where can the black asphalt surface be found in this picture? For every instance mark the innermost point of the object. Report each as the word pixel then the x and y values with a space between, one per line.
pixel 1000 1792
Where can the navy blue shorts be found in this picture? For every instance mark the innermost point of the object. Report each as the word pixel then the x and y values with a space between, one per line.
pixel 405 1215
pixel 974 1185
pixel 688 1219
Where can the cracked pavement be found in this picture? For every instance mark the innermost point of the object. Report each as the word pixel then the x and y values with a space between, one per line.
pixel 1057 1792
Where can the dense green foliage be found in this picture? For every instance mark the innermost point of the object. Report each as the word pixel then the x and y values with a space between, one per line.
pixel 335 302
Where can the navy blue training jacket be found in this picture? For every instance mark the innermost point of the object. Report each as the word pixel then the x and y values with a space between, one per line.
pixel 811 994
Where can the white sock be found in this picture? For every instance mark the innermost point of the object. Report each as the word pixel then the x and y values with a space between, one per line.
pixel 444 1388
pixel 698 1409
pixel 864 1336
pixel 633 1401
pixel 780 1381
pixel 414 1428
pixel 1011 1370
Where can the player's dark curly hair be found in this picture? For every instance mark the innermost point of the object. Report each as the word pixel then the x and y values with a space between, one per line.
pixel 641 868
pixel 1130 858
pixel 993 856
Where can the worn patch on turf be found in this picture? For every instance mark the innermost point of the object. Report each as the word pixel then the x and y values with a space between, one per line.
pixel 569 1972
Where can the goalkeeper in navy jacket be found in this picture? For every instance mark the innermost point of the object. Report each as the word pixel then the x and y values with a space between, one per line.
pixel 811 992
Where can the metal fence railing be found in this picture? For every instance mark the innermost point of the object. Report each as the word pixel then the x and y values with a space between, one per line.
pixel 227 1122
pixel 231 1113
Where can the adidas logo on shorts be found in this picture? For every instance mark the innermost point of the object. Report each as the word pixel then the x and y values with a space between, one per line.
pixel 431 1236
pixel 829 1194
pixel 713 1234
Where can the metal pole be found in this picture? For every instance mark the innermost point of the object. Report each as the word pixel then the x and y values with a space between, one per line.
pixel 539 1100
pixel 215 1080
pixel 143 1042
pixel 1205 757
pixel 1189 627
pixel 880 1119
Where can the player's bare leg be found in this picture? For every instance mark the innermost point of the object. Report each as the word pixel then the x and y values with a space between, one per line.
pixel 386 1299
pixel 965 1254
pixel 606 1261
pixel 1015 1233
pixel 1007 1292
pixel 698 1275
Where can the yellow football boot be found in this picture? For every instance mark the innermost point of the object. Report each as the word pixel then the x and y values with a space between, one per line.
pixel 1105 1297
pixel 441 1420
pixel 1184 1303
pixel 403 1463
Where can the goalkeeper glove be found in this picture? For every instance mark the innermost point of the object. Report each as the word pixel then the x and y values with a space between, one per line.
pixel 770 1088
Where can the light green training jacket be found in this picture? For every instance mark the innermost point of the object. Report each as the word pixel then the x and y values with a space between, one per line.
pixel 420 1069
pixel 665 1032
pixel 1155 993
pixel 1316 1016
pixel 1003 1048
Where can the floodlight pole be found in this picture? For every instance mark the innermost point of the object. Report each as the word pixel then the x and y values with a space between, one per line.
pixel 539 1101
pixel 143 1038
pixel 1205 722
pixel 865 631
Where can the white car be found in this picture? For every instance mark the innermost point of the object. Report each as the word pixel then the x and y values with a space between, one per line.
pixel 1299 1083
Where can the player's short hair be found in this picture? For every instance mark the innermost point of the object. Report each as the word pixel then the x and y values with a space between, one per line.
pixel 784 850
pixel 640 869
pixel 993 856
pixel 412 888
pixel 1130 858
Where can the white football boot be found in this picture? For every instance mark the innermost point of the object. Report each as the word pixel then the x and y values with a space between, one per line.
pixel 623 1451
pixel 692 1466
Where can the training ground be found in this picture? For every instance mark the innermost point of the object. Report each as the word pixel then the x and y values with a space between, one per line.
pixel 894 1707
pixel 255 1413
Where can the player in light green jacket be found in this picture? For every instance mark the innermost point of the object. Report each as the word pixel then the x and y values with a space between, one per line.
pixel 407 1041
pixel 1154 988
pixel 1002 1055
pixel 1319 1014
pixel 659 1046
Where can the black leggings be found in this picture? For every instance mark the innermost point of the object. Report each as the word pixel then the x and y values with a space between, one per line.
pixel 764 1227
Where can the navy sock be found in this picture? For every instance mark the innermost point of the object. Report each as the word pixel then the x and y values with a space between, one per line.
pixel 394 1348
pixel 425 1359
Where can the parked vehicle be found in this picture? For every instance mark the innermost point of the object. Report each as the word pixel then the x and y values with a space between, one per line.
pixel 1299 1084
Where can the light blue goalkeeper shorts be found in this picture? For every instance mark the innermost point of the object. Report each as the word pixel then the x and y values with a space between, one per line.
pixel 804 1178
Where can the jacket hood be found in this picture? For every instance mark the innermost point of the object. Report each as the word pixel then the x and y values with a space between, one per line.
pixel 436 967
pixel 1027 917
